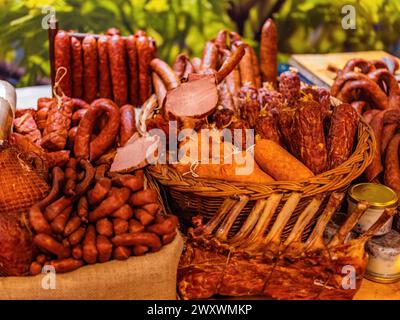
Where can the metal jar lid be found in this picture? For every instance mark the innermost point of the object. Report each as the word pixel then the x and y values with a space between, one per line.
pixel 377 195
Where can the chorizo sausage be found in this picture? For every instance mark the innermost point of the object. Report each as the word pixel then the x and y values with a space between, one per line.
pixel 72 225
pixel 121 226
pixel 125 212
pixel 116 54
pixel 61 220
pixel 62 57
pixel 128 123
pixel 90 71
pixel 269 52
pixel 85 149
pixel 104 68
pixel 104 227
pixel 77 67
pixel 135 226
pixel 110 204
pixel 77 236
pixel 49 244
pixel 134 239
pixel 121 253
pixel 89 249
pixel 54 209
pixel 143 197
pixel 144 58
pixel 130 43
pixel 99 191
pixel 104 247
pixel 134 183
pixel 66 265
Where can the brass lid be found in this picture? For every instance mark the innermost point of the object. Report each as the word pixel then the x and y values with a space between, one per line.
pixel 377 195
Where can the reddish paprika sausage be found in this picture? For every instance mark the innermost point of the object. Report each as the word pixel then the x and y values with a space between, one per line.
pixel 117 57
pixel 90 71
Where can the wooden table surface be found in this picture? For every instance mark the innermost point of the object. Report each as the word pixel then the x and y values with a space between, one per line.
pixel 377 291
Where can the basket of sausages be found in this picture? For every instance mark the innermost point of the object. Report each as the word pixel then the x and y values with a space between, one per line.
pixel 295 138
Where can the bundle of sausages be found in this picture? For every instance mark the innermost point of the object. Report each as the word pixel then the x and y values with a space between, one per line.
pixel 105 66
pixel 372 89
pixel 61 127
pixel 92 216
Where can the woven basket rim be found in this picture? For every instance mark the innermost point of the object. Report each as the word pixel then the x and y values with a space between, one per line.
pixel 330 180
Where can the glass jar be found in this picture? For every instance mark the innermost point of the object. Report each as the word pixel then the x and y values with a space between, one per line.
pixel 379 198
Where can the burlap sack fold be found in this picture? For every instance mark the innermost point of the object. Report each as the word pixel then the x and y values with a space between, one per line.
pixel 152 276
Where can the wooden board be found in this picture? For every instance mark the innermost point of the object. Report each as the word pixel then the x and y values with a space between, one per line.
pixel 314 67
pixel 378 291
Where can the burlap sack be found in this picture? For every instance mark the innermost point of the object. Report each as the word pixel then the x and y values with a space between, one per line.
pixel 152 276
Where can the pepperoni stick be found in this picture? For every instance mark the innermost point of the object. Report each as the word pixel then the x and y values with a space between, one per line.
pixel 104 68
pixel 170 79
pixel 131 50
pixel 128 123
pixel 269 52
pixel 117 57
pixel 77 67
pixel 62 57
pixel 90 71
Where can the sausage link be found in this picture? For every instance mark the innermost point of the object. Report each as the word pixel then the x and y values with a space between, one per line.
pixel 83 208
pixel 105 227
pixel 143 197
pixel 54 209
pixel 77 252
pixel 77 236
pixel 135 226
pixel 61 220
pixel 231 63
pixel 140 250
pixel 130 43
pixel 128 123
pixel 35 268
pixel 134 239
pixel 117 57
pixel 99 192
pixel 104 247
pixel 179 65
pixel 49 244
pixel 168 238
pixel 66 265
pixel 210 56
pixel 125 212
pixel 104 68
pixel 392 165
pixel 90 71
pixel 72 225
pixel 77 67
pixel 165 227
pixel 62 57
pixel 144 58
pixel 110 204
pixel 134 183
pixel 89 250
pixel 269 52
pixel 121 253
pixel 168 76
pixel 375 168
pixel 121 226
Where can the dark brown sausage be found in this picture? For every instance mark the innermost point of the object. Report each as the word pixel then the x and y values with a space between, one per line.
pixel 269 52
pixel 62 57
pixel 128 123
pixel 90 70
pixel 104 68
pixel 77 68
pixel 392 166
pixel 117 57
pixel 131 49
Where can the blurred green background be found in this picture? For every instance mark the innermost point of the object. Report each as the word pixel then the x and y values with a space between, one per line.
pixel 305 26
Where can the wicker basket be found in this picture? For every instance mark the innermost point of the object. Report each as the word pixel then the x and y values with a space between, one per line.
pixel 188 196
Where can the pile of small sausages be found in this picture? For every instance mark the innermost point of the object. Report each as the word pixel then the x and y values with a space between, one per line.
pixel 105 66
pixel 91 215
pixel 372 89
